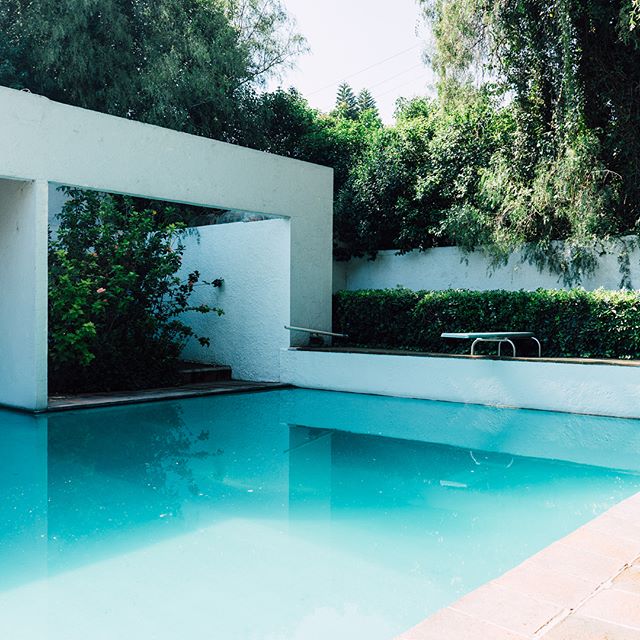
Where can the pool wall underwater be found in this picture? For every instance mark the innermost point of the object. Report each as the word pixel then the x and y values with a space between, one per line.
pixel 572 387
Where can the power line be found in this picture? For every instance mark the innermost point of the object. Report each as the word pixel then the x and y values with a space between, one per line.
pixel 394 76
pixel 357 73
pixel 384 93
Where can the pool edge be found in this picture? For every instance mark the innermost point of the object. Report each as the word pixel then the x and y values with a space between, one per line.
pixel 120 398
pixel 588 581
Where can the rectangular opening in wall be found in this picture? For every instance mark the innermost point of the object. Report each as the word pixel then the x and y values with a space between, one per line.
pixel 142 292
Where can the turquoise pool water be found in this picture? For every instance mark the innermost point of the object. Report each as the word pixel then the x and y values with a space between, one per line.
pixel 284 515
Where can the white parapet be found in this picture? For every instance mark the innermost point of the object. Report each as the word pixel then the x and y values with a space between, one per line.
pixel 598 389
pixel 444 268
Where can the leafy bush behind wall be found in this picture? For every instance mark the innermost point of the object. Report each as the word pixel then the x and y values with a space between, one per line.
pixel 575 323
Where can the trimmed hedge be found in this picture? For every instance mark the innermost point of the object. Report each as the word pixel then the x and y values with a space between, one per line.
pixel 576 323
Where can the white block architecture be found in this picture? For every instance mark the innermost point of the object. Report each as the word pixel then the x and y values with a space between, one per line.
pixel 46 142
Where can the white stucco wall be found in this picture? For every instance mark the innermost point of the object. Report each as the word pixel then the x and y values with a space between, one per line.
pixel 607 390
pixel 55 143
pixel 23 294
pixel 67 145
pixel 253 259
pixel 449 268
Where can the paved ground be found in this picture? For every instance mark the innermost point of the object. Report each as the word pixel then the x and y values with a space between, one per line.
pixel 195 390
pixel 583 587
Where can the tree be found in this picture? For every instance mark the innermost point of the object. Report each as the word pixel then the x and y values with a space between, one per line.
pixel 182 64
pixel 366 102
pixel 570 71
pixel 416 185
pixel 346 102
pixel 115 298
pixel 268 33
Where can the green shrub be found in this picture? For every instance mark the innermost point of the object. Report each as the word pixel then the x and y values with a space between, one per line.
pixel 114 297
pixel 575 323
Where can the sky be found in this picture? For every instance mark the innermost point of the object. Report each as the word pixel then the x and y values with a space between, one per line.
pixel 368 43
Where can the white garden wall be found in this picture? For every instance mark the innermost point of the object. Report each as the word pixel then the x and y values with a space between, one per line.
pixel 599 389
pixel 253 258
pixel 449 268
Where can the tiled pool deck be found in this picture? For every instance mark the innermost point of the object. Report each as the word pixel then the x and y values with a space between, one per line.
pixel 583 587
pixel 194 390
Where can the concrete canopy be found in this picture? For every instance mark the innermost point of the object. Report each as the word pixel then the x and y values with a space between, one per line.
pixel 44 141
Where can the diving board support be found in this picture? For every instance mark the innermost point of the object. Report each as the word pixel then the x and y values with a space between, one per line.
pixel 501 337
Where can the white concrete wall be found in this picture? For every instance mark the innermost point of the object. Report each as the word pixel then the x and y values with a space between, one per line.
pixel 254 260
pixel 607 390
pixel 23 294
pixel 67 145
pixel 55 143
pixel 449 268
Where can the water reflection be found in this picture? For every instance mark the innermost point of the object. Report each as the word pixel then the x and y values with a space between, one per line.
pixel 23 497
pixel 310 472
pixel 257 503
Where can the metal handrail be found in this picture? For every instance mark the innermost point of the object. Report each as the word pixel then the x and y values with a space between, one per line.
pixel 317 332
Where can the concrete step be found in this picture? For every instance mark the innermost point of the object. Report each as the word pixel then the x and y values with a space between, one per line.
pixel 193 372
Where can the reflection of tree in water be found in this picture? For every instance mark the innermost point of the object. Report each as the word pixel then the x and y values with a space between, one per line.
pixel 117 464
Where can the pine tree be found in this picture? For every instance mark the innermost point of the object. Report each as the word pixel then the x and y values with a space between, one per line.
pixel 366 102
pixel 346 102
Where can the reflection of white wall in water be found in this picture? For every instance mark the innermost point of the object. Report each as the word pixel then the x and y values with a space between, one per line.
pixel 449 268
pixel 253 260
pixel 23 498
pixel 593 440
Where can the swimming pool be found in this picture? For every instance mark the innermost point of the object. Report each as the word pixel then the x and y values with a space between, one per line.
pixel 284 515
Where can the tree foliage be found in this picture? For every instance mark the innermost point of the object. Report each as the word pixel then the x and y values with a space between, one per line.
pixel 351 106
pixel 346 102
pixel 366 102
pixel 570 71
pixel 416 184
pixel 115 298
pixel 182 64
pixel 267 33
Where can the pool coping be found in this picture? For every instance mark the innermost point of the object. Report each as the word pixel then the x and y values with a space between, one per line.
pixel 612 362
pixel 584 586
pixel 193 390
